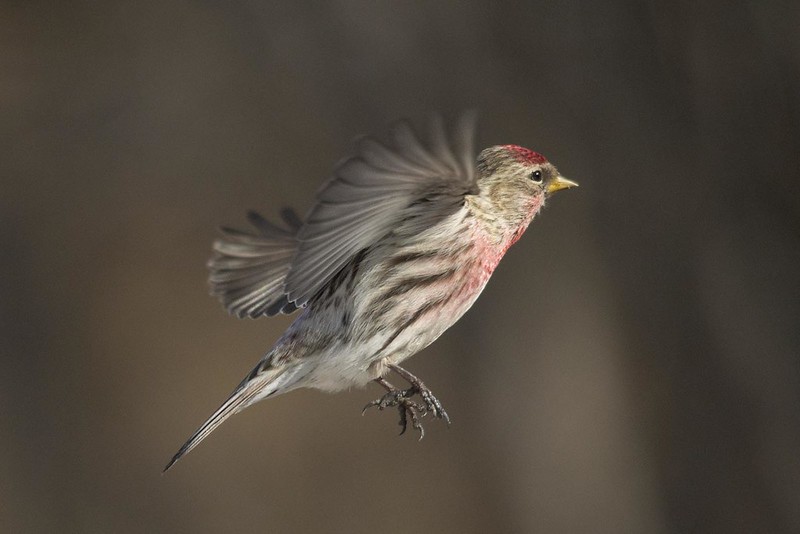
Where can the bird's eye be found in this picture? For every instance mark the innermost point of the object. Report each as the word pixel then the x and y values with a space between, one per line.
pixel 536 176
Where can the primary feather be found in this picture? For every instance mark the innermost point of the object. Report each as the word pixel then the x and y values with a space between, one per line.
pixel 367 195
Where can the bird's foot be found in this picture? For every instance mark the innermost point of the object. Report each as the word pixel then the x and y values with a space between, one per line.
pixel 407 407
pixel 432 404
pixel 401 398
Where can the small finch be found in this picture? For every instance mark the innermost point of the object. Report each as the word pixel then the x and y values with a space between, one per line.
pixel 401 241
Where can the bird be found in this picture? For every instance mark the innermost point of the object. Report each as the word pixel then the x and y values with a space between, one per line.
pixel 401 241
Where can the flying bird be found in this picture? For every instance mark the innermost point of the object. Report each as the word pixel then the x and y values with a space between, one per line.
pixel 401 241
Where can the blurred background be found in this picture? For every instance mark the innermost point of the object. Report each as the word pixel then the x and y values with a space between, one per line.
pixel 631 367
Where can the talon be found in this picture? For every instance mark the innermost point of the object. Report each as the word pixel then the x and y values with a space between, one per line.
pixel 401 398
pixel 417 425
pixel 432 404
pixel 403 419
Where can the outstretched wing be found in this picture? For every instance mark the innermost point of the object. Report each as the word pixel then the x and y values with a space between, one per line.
pixel 247 271
pixel 368 194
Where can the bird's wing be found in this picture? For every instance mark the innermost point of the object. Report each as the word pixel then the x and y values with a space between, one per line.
pixel 368 194
pixel 247 271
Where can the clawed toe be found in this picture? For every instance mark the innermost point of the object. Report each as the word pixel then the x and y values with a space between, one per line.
pixel 433 405
pixel 411 409
pixel 394 397
pixel 407 408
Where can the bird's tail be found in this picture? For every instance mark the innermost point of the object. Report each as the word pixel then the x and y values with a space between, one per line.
pixel 259 384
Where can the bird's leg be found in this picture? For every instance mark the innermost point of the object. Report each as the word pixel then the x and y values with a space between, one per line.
pixel 432 404
pixel 402 399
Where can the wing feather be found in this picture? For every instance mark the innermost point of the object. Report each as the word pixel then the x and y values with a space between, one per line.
pixel 369 194
pixel 247 271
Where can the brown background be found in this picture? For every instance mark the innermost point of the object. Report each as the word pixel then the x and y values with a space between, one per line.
pixel 632 367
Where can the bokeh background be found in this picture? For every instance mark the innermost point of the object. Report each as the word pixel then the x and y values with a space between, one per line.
pixel 633 366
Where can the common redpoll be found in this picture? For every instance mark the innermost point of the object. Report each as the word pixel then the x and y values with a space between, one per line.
pixel 400 243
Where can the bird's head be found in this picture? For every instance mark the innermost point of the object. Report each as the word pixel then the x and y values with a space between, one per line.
pixel 516 182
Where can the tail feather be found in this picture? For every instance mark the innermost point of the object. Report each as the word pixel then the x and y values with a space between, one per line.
pixel 258 385
pixel 230 407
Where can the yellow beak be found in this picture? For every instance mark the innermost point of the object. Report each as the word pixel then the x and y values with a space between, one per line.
pixel 558 183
